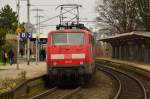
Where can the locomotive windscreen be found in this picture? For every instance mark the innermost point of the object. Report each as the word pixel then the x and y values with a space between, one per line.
pixel 67 38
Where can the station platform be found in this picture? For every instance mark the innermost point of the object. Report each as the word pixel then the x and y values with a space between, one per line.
pixel 33 70
pixel 144 66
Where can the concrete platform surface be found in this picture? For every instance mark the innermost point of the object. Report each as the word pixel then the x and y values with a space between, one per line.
pixel 32 70
pixel 144 66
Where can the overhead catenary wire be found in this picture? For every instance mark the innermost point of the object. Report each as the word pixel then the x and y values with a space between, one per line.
pixel 45 15
pixel 48 25
pixel 44 5
pixel 55 16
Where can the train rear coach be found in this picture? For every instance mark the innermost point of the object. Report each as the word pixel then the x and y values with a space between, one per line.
pixel 70 53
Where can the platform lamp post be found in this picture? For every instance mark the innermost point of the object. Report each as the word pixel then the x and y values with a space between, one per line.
pixel 18 30
pixel 37 33
pixel 39 17
pixel 28 22
pixel 28 40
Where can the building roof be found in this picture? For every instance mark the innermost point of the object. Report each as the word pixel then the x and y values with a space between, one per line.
pixel 11 36
pixel 131 35
pixel 42 35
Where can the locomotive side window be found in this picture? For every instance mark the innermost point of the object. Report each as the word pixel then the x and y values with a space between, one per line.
pixel 91 40
pixel 67 39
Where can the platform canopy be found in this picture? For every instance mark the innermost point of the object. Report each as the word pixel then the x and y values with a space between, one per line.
pixel 135 35
pixel 133 46
pixel 42 38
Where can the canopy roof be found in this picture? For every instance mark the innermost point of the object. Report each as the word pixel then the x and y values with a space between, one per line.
pixel 131 35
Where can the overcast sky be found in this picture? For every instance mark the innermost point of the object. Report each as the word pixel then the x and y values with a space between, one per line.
pixel 87 11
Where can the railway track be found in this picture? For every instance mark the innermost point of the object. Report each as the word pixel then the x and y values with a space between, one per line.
pixel 56 93
pixel 118 85
pixel 131 87
pixel 44 93
pixel 141 74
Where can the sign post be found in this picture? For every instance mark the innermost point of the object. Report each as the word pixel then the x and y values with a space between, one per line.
pixel 18 30
pixel 21 35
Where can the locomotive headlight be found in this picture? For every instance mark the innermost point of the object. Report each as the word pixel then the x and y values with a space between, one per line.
pixel 78 56
pixel 81 63
pixel 54 63
pixel 57 56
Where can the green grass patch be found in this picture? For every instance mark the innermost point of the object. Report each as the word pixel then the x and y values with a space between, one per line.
pixel 8 84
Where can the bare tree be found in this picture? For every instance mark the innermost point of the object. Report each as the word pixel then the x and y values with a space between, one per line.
pixel 144 13
pixel 121 15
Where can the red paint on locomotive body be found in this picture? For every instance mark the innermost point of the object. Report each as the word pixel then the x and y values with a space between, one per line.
pixel 70 48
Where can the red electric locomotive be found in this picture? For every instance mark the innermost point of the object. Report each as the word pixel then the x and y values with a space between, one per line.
pixel 70 53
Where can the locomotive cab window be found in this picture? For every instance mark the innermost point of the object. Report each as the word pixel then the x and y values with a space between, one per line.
pixel 67 39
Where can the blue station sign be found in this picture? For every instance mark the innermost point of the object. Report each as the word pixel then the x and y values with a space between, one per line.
pixel 25 35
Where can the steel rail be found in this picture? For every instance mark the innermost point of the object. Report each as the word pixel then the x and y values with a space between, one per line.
pixel 71 93
pixel 44 93
pixel 50 91
pixel 117 79
pixel 132 77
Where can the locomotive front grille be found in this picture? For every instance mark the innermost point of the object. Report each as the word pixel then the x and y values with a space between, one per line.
pixel 67 71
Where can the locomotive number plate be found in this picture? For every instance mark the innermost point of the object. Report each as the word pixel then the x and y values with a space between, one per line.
pixel 68 62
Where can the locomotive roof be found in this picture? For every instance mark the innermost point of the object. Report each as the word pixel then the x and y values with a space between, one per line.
pixel 70 30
